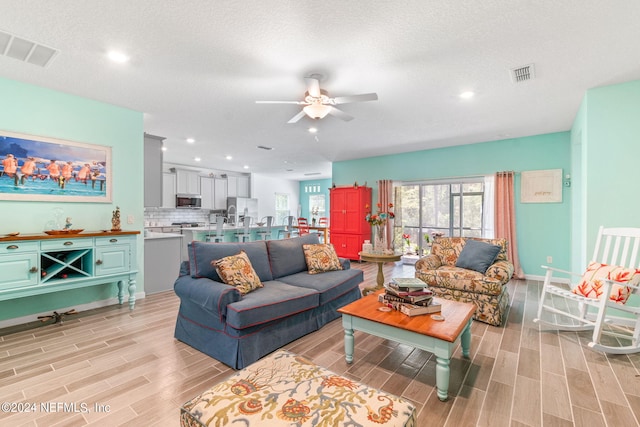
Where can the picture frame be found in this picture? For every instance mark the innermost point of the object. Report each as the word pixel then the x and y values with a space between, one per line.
pixel 541 186
pixel 39 168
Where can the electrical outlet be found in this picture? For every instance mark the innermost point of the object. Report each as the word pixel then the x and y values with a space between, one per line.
pixel 549 259
pixel 130 219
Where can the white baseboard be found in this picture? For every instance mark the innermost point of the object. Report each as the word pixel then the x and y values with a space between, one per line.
pixel 565 280
pixel 82 307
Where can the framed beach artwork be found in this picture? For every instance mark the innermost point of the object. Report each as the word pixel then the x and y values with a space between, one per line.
pixel 541 186
pixel 37 168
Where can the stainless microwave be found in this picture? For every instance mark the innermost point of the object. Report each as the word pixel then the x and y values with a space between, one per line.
pixel 188 201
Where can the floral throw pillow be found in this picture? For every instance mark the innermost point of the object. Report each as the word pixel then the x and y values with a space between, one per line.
pixel 320 258
pixel 592 281
pixel 236 270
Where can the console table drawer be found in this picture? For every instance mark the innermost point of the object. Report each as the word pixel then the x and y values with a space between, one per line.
pixel 62 244
pixel 114 240
pixel 18 247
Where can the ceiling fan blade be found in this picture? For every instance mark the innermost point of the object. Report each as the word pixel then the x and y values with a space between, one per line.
pixel 297 117
pixel 340 114
pixel 355 98
pixel 313 86
pixel 282 102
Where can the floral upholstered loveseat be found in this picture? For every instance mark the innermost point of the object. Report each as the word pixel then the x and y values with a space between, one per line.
pixel 487 290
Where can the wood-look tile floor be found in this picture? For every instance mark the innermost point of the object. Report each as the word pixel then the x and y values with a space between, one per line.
pixel 111 367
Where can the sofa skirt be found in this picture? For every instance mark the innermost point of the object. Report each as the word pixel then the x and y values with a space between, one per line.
pixel 240 348
pixel 490 309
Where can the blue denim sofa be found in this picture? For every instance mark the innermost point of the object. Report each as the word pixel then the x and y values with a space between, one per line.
pixel 238 330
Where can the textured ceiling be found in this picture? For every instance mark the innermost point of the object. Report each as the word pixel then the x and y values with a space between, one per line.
pixel 197 68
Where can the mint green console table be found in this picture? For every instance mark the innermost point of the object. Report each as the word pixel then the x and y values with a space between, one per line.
pixel 36 264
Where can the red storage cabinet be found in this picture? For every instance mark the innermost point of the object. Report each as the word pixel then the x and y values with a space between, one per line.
pixel 348 227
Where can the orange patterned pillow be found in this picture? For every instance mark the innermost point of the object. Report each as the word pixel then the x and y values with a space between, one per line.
pixel 236 270
pixel 321 258
pixel 592 281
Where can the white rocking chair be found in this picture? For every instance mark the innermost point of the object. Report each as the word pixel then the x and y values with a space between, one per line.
pixel 615 247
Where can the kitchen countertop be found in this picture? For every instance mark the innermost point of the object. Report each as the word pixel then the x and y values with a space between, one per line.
pixel 154 235
pixel 229 227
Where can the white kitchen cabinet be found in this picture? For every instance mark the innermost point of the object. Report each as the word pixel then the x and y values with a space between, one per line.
pixel 242 186
pixel 207 191
pixel 168 190
pixel 220 196
pixel 187 182
pixel 232 186
pixel 213 192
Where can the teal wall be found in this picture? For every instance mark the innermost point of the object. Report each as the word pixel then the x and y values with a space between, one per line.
pixel 324 185
pixel 543 228
pixel 42 112
pixel 610 158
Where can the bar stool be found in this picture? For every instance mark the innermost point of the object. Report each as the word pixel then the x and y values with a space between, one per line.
pixel 323 221
pixel 266 233
pixel 303 226
pixel 288 230
pixel 219 235
pixel 245 234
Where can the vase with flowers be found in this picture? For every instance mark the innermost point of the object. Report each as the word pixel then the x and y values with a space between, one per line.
pixel 378 222
pixel 407 241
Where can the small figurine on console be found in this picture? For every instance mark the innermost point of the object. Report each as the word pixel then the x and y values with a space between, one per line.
pixel 115 220
pixel 67 224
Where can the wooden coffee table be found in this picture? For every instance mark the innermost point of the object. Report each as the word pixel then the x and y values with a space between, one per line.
pixel 439 337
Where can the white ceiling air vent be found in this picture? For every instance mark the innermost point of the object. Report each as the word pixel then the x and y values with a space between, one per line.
pixel 522 74
pixel 25 50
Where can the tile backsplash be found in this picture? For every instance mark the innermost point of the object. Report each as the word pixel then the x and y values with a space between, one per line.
pixel 160 217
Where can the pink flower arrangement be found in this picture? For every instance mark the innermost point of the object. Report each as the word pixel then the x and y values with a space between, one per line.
pixel 380 217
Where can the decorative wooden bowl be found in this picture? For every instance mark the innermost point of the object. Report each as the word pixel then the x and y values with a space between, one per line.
pixel 67 231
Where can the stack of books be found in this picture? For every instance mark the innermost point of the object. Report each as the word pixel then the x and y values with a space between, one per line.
pixel 410 296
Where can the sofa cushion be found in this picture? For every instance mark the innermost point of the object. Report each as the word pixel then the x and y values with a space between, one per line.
pixel 202 253
pixel 273 301
pixel 330 285
pixel 477 256
pixel 287 256
pixel 236 270
pixel 591 284
pixel 321 258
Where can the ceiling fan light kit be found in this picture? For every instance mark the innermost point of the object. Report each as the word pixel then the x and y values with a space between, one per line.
pixel 317 111
pixel 317 104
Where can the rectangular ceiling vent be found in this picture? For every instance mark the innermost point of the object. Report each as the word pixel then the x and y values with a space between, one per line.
pixel 522 74
pixel 25 50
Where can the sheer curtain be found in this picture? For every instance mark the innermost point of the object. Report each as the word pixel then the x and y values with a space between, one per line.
pixel 385 196
pixel 488 208
pixel 505 218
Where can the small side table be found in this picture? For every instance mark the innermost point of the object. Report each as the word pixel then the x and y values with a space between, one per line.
pixel 380 259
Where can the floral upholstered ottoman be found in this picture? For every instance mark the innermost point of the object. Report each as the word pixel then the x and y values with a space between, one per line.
pixel 284 389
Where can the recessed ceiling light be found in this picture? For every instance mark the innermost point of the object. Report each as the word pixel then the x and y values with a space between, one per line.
pixel 466 95
pixel 228 157
pixel 197 159
pixel 118 57
pixel 164 148
pixel 313 130
pixel 246 166
pixel 191 140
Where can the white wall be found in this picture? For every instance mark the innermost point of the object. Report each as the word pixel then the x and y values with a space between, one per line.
pixel 264 188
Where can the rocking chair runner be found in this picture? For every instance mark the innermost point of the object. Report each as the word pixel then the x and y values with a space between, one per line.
pixel 618 247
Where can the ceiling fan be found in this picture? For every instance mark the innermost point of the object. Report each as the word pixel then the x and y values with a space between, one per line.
pixel 318 104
